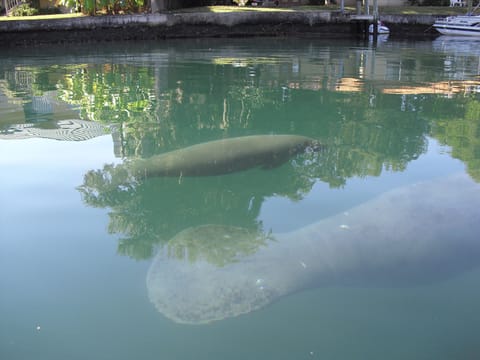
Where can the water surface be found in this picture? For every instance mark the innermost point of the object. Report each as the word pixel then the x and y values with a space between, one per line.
pixel 77 237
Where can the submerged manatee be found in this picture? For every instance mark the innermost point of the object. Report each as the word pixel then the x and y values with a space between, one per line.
pixel 224 156
pixel 413 234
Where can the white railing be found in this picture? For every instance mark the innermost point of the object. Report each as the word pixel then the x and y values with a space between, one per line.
pixel 12 4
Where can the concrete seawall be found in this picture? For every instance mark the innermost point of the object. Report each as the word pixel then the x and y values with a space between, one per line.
pixel 204 24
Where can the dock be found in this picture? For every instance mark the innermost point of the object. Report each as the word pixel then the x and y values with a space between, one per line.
pixel 364 17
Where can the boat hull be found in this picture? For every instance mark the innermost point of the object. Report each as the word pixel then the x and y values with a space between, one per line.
pixel 457 32
pixel 381 29
pixel 459 26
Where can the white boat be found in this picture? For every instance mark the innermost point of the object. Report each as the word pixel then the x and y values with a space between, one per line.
pixel 382 29
pixel 463 25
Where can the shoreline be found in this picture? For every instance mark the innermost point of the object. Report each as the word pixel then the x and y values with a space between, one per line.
pixel 329 24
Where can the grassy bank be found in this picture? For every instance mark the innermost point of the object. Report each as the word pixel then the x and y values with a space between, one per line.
pixel 390 10
pixel 41 17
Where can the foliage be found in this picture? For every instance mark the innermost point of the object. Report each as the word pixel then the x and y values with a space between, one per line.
pixel 151 212
pixel 108 93
pixel 217 244
pixel 91 7
pixel 462 134
pixel 156 109
pixel 69 3
pixel 241 2
pixel 88 6
pixel 24 9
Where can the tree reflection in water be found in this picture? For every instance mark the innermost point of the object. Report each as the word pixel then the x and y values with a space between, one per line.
pixel 373 116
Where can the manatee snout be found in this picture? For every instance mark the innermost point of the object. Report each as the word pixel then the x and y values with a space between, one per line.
pixel 310 146
pixel 315 146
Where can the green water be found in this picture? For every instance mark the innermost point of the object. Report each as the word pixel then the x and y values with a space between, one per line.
pixel 78 235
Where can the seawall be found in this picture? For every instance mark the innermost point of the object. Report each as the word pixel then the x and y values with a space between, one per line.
pixel 202 24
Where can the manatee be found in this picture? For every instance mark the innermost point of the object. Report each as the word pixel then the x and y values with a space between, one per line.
pixel 224 156
pixel 408 236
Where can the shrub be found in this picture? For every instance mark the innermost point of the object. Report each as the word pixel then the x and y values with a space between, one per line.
pixel 24 10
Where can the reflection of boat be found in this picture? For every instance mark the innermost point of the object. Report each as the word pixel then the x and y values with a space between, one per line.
pixel 382 29
pixel 380 38
pixel 464 25
pixel 457 45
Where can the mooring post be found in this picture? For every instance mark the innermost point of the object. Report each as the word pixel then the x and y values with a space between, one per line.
pixel 375 20
pixel 362 25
